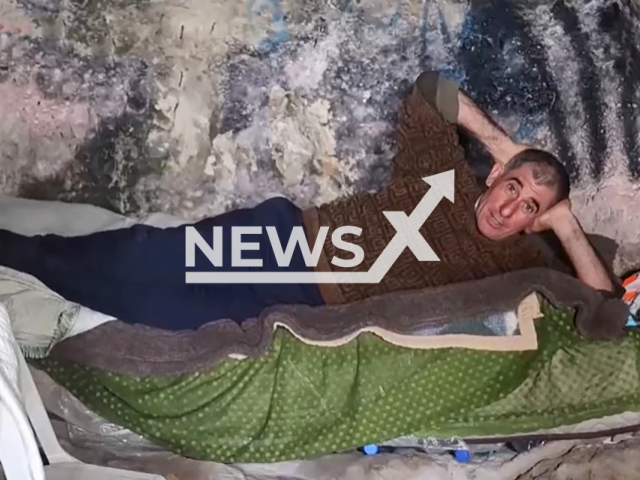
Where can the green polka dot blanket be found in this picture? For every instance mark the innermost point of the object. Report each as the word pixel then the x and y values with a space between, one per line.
pixel 300 401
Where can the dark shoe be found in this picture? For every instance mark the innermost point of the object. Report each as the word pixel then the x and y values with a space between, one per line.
pixel 440 93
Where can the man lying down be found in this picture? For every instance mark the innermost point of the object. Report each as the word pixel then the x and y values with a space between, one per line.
pixel 137 274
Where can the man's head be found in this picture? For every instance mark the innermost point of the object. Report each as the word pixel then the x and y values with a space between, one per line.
pixel 519 192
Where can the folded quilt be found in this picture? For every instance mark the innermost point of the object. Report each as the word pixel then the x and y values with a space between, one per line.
pixel 39 317
pixel 300 400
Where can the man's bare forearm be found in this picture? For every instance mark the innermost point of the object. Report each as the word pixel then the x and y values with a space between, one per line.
pixel 484 129
pixel 588 266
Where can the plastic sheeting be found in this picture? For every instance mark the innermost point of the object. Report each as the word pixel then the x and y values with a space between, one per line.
pixel 92 439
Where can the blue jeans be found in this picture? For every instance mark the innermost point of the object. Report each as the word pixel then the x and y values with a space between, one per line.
pixel 137 274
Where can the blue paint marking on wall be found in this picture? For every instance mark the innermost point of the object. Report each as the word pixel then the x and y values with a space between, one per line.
pixel 508 71
pixel 589 86
pixel 278 32
pixel 618 25
pixel 397 15
pixel 425 60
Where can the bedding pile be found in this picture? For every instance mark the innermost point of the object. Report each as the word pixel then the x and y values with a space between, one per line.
pixel 299 401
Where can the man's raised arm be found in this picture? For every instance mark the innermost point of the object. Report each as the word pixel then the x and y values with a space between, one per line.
pixel 475 121
pixel 588 266
pixel 456 107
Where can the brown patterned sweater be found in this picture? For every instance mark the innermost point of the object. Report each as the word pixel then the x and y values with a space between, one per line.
pixel 427 145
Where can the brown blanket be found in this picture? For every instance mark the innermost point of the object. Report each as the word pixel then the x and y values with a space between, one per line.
pixel 140 350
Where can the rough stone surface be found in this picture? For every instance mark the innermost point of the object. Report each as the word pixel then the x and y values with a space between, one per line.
pixel 620 461
pixel 194 107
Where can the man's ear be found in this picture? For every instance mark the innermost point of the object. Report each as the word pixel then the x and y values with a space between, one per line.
pixel 496 171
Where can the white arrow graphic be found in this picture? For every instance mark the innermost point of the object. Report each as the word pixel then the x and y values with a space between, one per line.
pixel 408 235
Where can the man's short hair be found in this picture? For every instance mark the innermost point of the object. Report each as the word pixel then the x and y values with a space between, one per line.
pixel 547 170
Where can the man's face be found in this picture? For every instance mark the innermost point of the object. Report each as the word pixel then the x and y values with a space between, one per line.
pixel 512 202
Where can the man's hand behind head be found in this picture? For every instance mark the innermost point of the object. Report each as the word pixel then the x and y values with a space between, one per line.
pixel 552 219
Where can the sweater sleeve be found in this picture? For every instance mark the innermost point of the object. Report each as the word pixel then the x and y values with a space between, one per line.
pixel 427 143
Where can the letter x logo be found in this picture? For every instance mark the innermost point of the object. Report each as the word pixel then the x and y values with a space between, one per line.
pixel 407 227
pixel 408 235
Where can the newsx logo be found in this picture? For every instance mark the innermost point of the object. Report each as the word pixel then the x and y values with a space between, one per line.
pixel 407 235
